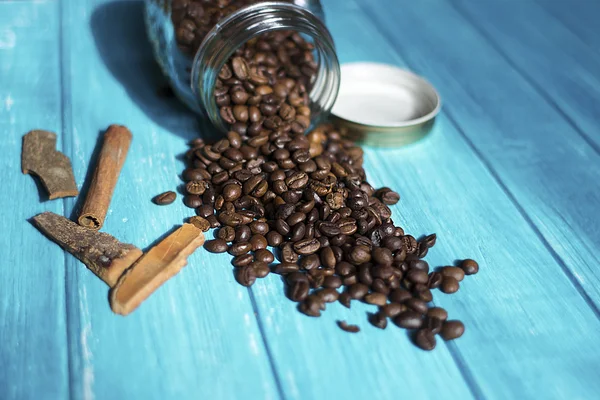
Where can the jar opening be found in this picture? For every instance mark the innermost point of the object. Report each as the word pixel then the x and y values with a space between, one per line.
pixel 250 22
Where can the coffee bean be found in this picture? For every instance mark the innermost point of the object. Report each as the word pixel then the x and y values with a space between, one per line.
pixel 240 68
pixel 378 299
pixel 347 327
pixel 449 285
pixel 245 276
pixel 392 309
pixel 382 255
pixel 425 339
pixel 311 306
pixel 216 246
pixel 285 268
pixel 226 233
pixel 409 243
pixel 258 242
pixel 261 269
pixel 298 291
pixel 424 294
pixel 454 272
pixel 359 255
pixel 419 265
pixel 328 295
pixel 200 223
pixel 433 324
pixel 243 260
pixel 470 267
pixel 437 312
pixel 417 276
pixel 264 255
pixel 345 299
pixel 434 280
pixel 452 330
pixel 274 238
pixel 333 282
pixel 416 305
pixel 165 198
pixel 307 246
pixel 327 257
pixel 409 320
pixel 358 290
pixel 243 233
pixel 399 296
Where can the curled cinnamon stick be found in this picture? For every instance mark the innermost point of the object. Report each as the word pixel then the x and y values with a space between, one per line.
pixel 154 268
pixel 112 156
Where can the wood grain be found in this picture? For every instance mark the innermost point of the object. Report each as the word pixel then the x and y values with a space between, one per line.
pixel 33 339
pixel 197 337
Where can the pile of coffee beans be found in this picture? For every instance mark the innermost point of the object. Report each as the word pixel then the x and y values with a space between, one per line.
pixel 270 184
pixel 307 197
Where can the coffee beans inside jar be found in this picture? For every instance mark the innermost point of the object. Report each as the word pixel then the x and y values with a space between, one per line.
pixel 270 181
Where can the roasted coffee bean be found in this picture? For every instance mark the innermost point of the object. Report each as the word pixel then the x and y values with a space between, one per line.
pixel 239 248
pixel 384 272
pixel 425 339
pixel 399 296
pixel 288 254
pixel 216 246
pixel 230 219
pixel 327 257
pixel 409 243
pixel 245 276
pixel 298 291
pixel 434 280
pixel 378 320
pixel 274 238
pixel 470 266
pixel 347 327
pixel 380 286
pixel 454 272
pixel 295 218
pixel 387 196
pixel 232 192
pixel 433 324
pixel 378 299
pixel 416 305
pixel 419 265
pixel 264 255
pixel 452 330
pixel 165 198
pixel 358 290
pixel 310 262
pixel 297 180
pixel 449 285
pixel 423 294
pixel 333 282
pixel 214 223
pixel 243 233
pixel 345 299
pixel 382 255
pixel 437 312
pixel 200 223
pixel 285 268
pixel 417 276
pixel 312 306
pixel 243 260
pixel 261 269
pixel 307 246
pixel 258 242
pixel 192 201
pixel 392 309
pixel 409 320
pixel 359 255
pixel 328 295
pixel 329 229
pixel 342 268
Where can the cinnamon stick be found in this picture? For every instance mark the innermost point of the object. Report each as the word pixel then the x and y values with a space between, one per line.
pixel 154 268
pixel 39 157
pixel 112 156
pixel 104 255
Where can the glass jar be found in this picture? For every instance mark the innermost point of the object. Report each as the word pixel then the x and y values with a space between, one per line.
pixel 193 74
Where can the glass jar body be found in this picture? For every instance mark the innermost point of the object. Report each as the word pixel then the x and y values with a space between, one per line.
pixel 192 69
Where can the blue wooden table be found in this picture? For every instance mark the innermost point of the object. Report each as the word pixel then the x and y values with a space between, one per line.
pixel 510 177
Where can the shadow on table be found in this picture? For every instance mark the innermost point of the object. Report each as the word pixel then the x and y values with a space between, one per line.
pixel 120 37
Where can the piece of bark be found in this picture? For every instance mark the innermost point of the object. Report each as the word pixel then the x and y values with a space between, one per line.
pixel 112 157
pixel 100 252
pixel 154 268
pixel 39 157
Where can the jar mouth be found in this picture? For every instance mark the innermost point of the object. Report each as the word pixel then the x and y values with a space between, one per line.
pixel 252 21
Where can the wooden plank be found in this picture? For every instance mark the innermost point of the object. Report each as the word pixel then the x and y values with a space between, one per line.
pixel 580 16
pixel 536 153
pixel 197 336
pixel 529 331
pixel 33 355
pixel 556 62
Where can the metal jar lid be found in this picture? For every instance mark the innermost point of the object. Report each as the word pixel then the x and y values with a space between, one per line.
pixel 383 105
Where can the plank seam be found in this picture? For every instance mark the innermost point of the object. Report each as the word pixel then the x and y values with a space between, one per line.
pixel 464 370
pixel 266 345
pixel 569 274
pixel 566 25
pixel 63 122
pixel 586 138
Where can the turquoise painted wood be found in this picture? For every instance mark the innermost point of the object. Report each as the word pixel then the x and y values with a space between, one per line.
pixel 509 177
